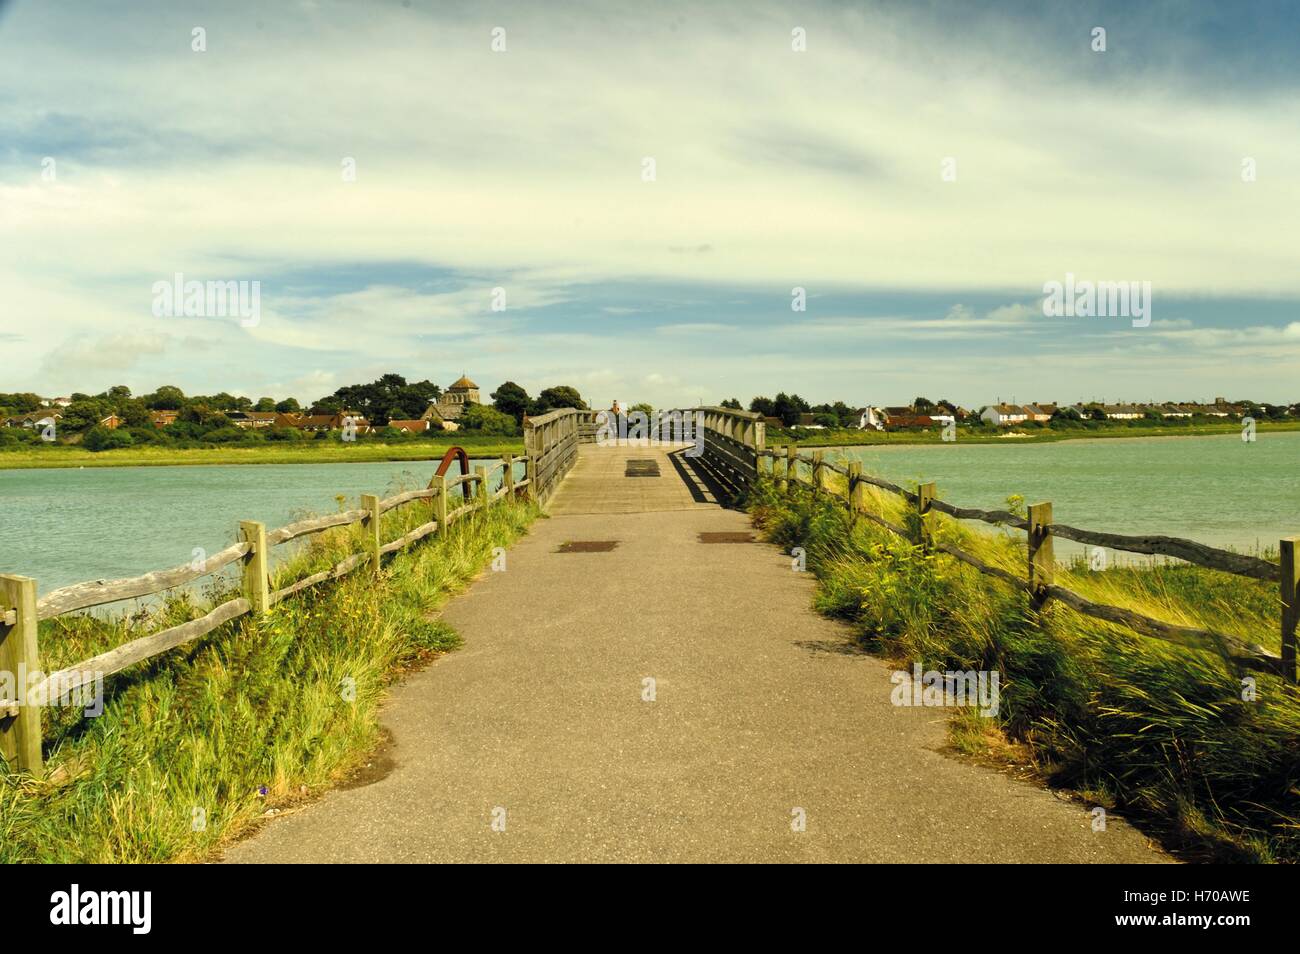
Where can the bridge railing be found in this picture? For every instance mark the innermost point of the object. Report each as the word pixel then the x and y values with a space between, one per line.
pixel 551 443
pixel 1039 583
pixel 21 611
pixel 731 443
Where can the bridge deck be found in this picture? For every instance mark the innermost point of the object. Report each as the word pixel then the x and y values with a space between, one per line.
pixel 599 482
pixel 760 707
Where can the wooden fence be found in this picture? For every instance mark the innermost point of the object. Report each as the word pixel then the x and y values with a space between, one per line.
pixel 782 466
pixel 551 443
pixel 21 610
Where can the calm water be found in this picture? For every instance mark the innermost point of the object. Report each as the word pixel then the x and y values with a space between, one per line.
pixel 64 526
pixel 67 525
pixel 1217 490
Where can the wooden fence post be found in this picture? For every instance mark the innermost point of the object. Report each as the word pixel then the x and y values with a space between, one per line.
pixel 484 498
pixel 439 483
pixel 531 469
pixel 370 503
pixel 1290 568
pixel 817 472
pixel 256 575
pixel 791 466
pixel 20 732
pixel 1042 561
pixel 924 494
pixel 508 476
pixel 855 490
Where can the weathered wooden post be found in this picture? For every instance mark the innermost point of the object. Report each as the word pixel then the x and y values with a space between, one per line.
pixel 481 472
pixel 1042 561
pixel 1290 568
pixel 924 495
pixel 791 466
pixel 256 575
pixel 855 490
pixel 370 503
pixel 817 473
pixel 439 483
pixel 20 721
pixel 508 476
pixel 531 468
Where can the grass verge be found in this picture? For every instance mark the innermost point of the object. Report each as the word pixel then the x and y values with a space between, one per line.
pixel 195 746
pixel 1168 735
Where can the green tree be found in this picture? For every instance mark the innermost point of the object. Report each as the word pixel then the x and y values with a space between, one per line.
pixel 488 420
pixel 101 439
pixel 264 404
pixel 288 406
pixel 166 398
pixel 560 396
pixel 732 403
pixel 511 399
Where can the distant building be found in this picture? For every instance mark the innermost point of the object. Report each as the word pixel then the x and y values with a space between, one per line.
pixel 1003 415
pixel 453 401
pixel 417 426
pixel 163 418
pixel 871 419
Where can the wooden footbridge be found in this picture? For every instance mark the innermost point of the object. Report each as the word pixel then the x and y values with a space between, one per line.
pixel 648 681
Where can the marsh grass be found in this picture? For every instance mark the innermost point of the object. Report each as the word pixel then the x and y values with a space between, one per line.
pixel 1157 730
pixel 253 716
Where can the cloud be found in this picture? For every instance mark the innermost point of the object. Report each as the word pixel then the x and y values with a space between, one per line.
pixel 109 353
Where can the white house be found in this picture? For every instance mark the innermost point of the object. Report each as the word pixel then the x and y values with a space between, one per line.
pixel 1001 415
pixel 871 419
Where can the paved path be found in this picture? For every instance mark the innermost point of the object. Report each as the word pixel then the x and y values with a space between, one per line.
pixel 760 707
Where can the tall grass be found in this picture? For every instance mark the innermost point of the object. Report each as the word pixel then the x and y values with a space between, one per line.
pixel 1158 730
pixel 193 746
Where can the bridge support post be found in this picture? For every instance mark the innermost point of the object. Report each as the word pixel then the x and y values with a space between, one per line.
pixel 20 722
pixel 484 496
pixel 855 491
pixel 531 468
pixel 508 476
pixel 1042 561
pixel 439 483
pixel 924 494
pixel 255 572
pixel 1290 568
pixel 370 503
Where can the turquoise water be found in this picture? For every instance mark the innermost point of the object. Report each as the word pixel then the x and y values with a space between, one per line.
pixel 1217 490
pixel 68 525
pixel 64 525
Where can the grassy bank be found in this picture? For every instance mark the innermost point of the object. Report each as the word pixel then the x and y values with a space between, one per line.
pixel 197 745
pixel 306 452
pixel 1019 435
pixel 1158 731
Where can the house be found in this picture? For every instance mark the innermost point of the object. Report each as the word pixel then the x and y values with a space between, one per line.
pixel 256 419
pixel 900 421
pixel 163 418
pixel 1041 411
pixel 772 421
pixel 1175 410
pixel 453 401
pixel 1122 412
pixel 112 422
pixel 334 422
pixel 35 419
pixel 58 402
pixel 417 426
pixel 806 420
pixel 434 419
pixel 871 419
pixel 1003 415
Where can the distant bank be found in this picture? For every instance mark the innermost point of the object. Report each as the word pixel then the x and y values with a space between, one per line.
pixel 1028 435
pixel 332 452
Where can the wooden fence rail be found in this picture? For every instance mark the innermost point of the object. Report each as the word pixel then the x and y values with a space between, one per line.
pixel 1039 584
pixel 20 610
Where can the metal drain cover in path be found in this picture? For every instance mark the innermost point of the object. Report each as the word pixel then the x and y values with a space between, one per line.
pixel 727 537
pixel 642 467
pixel 587 546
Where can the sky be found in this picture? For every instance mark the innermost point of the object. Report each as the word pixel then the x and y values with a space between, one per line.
pixel 919 170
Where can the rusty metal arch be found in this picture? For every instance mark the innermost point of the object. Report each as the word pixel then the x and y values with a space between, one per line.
pixel 455 453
